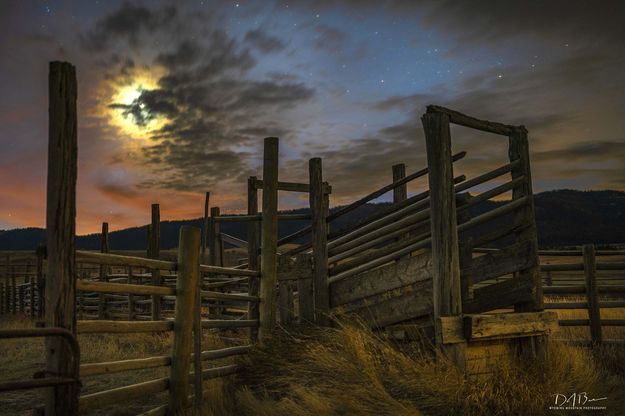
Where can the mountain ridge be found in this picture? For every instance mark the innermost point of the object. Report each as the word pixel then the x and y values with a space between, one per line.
pixel 564 217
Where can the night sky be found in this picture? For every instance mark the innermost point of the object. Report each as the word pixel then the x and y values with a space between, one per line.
pixel 176 97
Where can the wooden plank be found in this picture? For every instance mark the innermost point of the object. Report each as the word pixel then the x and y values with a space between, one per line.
pixel 402 273
pixel 205 225
pixel 186 288
pixel 103 287
pixel 104 272
pixel 253 250
pixel 472 122
pixel 230 271
pixel 452 331
pixel 509 325
pixel 447 299
pixel 498 295
pixel 319 240
pixel 60 233
pixel 237 242
pixel 592 293
pixel 229 323
pixel 90 257
pixel 154 252
pixel 269 238
pixel 226 352
pixel 98 400
pixel 122 327
pixel 513 258
pixel 94 369
pixel 391 307
pixel 400 193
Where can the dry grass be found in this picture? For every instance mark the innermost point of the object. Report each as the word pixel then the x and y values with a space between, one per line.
pixel 346 371
pixel 351 371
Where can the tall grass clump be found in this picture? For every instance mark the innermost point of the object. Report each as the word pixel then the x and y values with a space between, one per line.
pixel 349 370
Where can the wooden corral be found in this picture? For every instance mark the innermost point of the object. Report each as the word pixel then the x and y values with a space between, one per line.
pixel 416 269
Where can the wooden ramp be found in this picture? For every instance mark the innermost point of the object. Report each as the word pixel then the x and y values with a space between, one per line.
pixel 388 295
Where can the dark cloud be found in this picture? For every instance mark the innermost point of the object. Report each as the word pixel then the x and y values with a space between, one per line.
pixel 595 151
pixel 264 42
pixel 208 101
pixel 129 23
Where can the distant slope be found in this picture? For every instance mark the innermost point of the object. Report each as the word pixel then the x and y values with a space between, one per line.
pixel 564 217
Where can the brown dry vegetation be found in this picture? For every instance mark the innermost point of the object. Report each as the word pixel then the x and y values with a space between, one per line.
pixel 345 371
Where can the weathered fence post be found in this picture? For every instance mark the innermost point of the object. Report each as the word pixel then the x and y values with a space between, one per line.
pixel 253 246
pixel 269 238
pixel 104 270
pixel 319 240
pixel 400 193
pixel 41 253
pixel 592 293
pixel 2 297
pixel 445 251
pixel 60 232
pixel 154 252
pixel 205 225
pixel 186 287
pixel 215 251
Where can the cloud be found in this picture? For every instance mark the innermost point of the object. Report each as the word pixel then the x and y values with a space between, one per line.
pixel 130 22
pixel 264 42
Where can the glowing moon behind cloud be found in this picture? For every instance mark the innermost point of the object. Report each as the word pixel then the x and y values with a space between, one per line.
pixel 128 95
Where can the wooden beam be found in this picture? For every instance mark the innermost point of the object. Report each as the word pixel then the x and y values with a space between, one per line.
pixel 592 293
pixel 60 233
pixel 319 242
pixel 154 252
pixel 445 249
pixel 104 270
pixel 269 236
pixel 509 325
pixel 186 288
pixel 471 122
pixel 253 249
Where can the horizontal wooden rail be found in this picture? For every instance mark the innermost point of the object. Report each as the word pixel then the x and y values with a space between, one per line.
pixel 612 265
pixel 122 327
pixel 94 369
pixel 561 267
pixel 204 268
pixel 488 176
pixel 219 372
pixel 467 121
pixel 119 260
pixel 237 242
pixel 229 296
pixel 259 217
pixel 560 290
pixel 586 322
pixel 229 323
pixel 507 208
pixel 292 186
pixel 104 287
pixel 362 201
pixel 381 261
pixel 121 394
pixel 225 352
pixel 224 283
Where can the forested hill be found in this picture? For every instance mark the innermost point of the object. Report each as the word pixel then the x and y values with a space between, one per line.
pixel 564 218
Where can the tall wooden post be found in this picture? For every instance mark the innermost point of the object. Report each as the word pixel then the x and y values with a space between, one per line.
pixel 269 238
pixel 215 256
pixel 592 293
pixel 205 226
pixel 154 252
pixel 104 270
pixel 60 232
pixel 2 296
pixel 401 192
pixel 186 287
pixel 445 250
pixel 41 253
pixel 518 150
pixel 253 246
pixel 319 242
